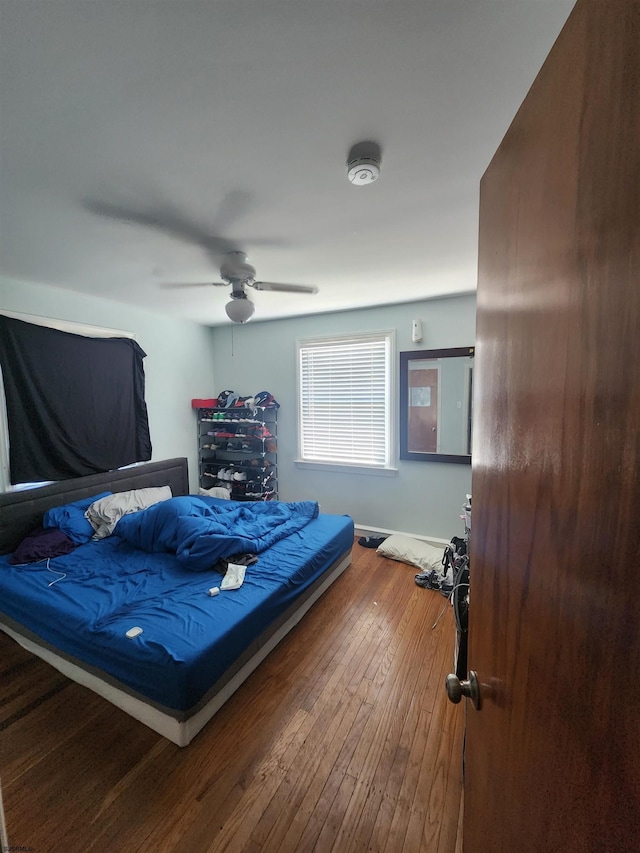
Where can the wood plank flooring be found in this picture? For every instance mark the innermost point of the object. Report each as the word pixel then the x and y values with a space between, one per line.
pixel 342 740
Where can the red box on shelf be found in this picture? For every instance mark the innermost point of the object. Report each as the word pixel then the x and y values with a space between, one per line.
pixel 204 404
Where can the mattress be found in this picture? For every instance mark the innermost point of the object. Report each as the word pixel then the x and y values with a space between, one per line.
pixel 83 604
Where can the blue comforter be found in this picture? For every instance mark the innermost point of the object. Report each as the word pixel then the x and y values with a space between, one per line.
pixel 203 531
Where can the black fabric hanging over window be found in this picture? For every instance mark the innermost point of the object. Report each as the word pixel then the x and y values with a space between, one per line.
pixel 75 404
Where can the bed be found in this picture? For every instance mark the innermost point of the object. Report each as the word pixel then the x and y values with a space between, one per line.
pixel 77 611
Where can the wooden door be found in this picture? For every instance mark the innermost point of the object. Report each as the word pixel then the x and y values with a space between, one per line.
pixel 423 410
pixel 553 756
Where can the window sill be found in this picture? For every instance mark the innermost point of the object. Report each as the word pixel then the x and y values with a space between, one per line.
pixel 344 468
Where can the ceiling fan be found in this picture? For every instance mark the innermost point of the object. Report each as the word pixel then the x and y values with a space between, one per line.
pixel 238 273
pixel 235 269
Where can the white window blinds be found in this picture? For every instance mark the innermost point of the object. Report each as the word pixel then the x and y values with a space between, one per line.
pixel 344 400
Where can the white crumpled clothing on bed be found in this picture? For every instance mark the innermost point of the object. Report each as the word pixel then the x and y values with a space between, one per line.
pixel 104 514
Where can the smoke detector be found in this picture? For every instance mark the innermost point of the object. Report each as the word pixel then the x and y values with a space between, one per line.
pixel 363 170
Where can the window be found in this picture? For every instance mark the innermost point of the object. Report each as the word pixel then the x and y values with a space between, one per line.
pixel 344 401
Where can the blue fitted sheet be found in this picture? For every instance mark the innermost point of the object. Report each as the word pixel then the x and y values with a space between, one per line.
pixel 189 639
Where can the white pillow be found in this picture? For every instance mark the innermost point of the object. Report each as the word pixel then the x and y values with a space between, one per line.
pixel 215 492
pixel 412 551
pixel 104 514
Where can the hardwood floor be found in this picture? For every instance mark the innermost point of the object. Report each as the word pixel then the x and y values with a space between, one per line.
pixel 342 740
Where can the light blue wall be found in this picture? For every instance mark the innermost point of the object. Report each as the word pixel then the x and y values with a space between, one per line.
pixel 185 360
pixel 423 498
pixel 179 362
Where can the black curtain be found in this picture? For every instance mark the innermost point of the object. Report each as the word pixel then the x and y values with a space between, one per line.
pixel 75 404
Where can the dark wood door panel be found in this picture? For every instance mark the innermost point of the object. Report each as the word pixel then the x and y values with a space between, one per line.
pixel 423 411
pixel 551 758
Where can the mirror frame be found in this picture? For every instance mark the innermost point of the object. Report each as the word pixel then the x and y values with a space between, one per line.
pixel 427 355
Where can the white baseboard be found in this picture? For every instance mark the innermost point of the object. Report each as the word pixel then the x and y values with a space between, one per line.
pixel 365 530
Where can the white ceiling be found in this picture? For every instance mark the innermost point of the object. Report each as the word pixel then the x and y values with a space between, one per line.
pixel 233 119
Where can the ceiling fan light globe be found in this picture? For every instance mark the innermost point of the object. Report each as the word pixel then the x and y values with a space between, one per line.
pixel 239 310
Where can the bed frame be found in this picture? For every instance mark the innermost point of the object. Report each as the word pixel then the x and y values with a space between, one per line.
pixel 22 511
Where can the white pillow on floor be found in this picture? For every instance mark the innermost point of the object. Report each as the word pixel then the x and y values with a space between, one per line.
pixel 412 551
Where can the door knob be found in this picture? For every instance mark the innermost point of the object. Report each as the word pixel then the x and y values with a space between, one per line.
pixel 456 689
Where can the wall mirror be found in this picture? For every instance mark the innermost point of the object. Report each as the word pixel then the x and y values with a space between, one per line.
pixel 436 405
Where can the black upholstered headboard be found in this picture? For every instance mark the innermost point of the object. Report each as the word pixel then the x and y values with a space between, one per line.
pixel 21 512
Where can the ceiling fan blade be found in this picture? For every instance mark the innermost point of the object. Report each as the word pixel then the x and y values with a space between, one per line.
pixel 174 223
pixel 167 221
pixel 175 285
pixel 284 288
